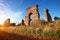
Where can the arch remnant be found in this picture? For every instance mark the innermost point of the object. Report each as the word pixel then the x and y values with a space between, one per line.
pixel 48 17
pixel 35 15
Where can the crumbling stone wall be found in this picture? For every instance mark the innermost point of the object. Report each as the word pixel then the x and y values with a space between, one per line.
pixel 47 15
pixel 35 15
pixel 12 24
pixel 7 22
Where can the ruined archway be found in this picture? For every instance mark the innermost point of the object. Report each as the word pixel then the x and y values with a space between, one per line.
pixel 34 12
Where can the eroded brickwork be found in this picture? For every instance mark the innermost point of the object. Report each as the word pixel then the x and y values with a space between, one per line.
pixel 35 15
pixel 47 15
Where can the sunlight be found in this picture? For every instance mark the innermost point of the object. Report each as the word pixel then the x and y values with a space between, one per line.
pixel 2 28
pixel 2 19
pixel 6 12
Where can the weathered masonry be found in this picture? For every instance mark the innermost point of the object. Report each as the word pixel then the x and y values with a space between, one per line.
pixel 47 15
pixel 35 15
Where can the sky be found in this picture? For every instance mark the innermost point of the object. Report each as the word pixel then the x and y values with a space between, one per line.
pixel 16 9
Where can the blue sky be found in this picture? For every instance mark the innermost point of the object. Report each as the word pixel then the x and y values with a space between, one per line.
pixel 16 9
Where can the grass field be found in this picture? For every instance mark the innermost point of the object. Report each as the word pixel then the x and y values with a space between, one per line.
pixel 46 31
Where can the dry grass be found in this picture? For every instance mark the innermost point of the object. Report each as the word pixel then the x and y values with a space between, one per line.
pixel 46 30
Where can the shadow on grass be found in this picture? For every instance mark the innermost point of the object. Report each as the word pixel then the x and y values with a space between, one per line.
pixel 9 36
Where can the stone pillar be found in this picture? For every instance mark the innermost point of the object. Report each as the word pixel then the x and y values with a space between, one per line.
pixel 7 22
pixel 22 23
pixel 47 15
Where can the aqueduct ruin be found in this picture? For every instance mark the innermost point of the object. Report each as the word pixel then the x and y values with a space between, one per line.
pixel 35 15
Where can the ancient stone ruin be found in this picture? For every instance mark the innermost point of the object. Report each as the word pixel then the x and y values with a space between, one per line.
pixel 7 22
pixel 22 23
pixel 47 15
pixel 35 15
pixel 32 16
pixel 12 24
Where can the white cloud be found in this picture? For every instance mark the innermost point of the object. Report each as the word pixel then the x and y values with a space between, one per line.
pixel 6 12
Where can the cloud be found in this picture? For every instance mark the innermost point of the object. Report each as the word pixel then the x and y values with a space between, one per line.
pixel 6 12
